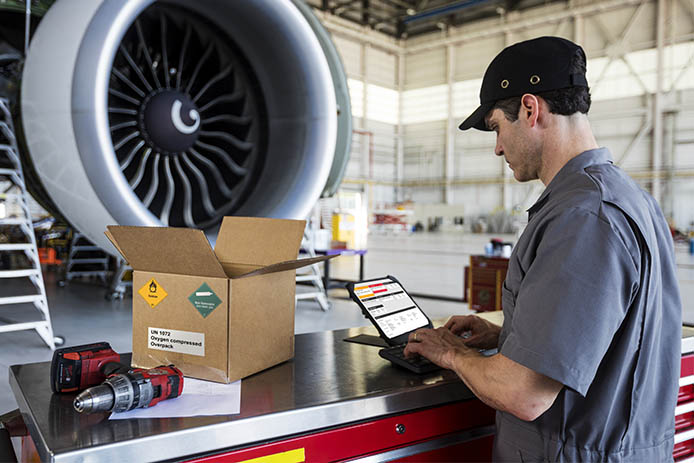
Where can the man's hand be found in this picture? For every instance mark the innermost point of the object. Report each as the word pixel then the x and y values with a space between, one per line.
pixel 497 380
pixel 439 345
pixel 483 334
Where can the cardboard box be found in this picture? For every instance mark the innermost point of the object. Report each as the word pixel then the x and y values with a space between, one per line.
pixel 218 315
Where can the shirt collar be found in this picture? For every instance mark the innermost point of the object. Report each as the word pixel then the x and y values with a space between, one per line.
pixel 578 163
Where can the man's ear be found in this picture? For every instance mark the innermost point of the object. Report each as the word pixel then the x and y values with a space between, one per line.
pixel 530 109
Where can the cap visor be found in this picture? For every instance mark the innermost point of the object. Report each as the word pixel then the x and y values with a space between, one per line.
pixel 476 119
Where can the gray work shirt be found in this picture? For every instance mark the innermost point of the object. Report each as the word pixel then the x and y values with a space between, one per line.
pixel 591 300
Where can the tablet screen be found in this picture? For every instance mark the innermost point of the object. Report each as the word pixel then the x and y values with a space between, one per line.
pixel 390 306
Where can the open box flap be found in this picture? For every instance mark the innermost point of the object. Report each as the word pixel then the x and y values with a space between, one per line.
pixel 260 241
pixel 182 251
pixel 287 265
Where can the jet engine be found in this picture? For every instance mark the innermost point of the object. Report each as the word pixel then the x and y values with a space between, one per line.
pixel 178 112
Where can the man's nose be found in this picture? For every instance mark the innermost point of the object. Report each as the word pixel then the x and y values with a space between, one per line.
pixel 498 150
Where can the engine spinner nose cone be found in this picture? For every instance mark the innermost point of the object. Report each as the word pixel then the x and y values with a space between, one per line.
pixel 170 121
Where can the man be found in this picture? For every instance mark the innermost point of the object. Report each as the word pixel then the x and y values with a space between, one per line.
pixel 588 361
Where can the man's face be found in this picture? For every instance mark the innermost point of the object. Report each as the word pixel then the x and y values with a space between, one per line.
pixel 514 141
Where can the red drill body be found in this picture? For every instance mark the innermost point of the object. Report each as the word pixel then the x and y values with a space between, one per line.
pixel 138 388
pixel 77 368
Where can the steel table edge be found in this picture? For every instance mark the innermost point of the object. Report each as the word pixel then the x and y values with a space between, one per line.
pixel 225 436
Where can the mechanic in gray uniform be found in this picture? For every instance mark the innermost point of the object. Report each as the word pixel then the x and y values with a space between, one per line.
pixel 589 351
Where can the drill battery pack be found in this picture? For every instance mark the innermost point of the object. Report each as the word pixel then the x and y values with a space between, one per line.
pixel 77 368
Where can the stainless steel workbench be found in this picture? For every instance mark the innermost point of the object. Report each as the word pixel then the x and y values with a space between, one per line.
pixel 329 383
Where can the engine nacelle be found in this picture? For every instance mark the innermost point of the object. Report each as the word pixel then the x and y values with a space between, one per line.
pixel 172 112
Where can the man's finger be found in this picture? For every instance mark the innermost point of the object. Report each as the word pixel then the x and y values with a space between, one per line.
pixel 415 337
pixel 411 349
pixel 453 321
pixel 459 323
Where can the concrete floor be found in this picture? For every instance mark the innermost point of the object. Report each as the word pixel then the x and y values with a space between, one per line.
pixel 426 264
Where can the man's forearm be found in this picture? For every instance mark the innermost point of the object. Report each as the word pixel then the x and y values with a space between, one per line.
pixel 506 385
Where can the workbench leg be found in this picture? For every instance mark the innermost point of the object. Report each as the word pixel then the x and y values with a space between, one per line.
pixel 326 275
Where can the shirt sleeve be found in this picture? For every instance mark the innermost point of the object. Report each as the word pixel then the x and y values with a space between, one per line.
pixel 572 300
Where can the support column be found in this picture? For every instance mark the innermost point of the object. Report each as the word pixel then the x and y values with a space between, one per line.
pixel 579 29
pixel 449 152
pixel 400 155
pixel 657 146
pixel 668 193
pixel 365 154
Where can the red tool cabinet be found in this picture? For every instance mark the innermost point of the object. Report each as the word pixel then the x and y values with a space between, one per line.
pixel 684 413
pixel 461 431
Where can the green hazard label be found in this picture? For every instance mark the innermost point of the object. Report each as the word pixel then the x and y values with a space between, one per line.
pixel 204 300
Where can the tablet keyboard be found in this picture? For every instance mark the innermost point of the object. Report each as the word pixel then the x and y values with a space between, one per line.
pixel 397 357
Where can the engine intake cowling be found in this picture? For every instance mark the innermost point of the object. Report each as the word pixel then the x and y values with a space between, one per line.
pixel 178 113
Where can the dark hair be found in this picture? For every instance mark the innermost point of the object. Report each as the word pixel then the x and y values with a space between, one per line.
pixel 565 101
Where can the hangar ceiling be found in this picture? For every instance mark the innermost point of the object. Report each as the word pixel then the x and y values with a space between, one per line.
pixel 408 18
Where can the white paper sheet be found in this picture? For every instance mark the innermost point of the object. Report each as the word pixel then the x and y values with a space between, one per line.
pixel 199 398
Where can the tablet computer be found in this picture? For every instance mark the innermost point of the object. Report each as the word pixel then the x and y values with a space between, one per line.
pixel 389 307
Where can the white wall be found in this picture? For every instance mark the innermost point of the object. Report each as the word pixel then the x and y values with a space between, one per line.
pixel 435 85
pixel 373 82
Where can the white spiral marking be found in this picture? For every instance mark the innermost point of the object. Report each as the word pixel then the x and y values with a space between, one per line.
pixel 178 122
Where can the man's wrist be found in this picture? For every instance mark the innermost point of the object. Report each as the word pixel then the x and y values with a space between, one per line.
pixel 458 356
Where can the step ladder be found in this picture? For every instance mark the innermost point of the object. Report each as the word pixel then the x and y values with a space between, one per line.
pixel 85 259
pixel 16 225
pixel 118 286
pixel 311 273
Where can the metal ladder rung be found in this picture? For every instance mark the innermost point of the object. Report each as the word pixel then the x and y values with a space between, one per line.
pixel 5 146
pixel 85 273
pixel 95 260
pixel 311 295
pixel 20 299
pixel 300 278
pixel 23 326
pixel 85 248
pixel 16 247
pixel 19 273
pixel 10 173
pixel 13 222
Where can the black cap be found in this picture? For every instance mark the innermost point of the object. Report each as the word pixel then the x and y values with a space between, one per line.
pixel 533 66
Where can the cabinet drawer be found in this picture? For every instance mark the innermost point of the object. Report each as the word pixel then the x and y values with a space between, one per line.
pixel 686 393
pixel 684 421
pixel 684 451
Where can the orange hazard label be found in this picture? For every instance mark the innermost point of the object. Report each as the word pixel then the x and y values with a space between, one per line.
pixel 152 293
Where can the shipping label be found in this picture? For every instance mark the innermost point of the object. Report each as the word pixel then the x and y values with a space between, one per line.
pixel 182 342
pixel 152 293
pixel 204 300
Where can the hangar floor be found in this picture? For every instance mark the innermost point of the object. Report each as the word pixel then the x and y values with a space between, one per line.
pixel 427 263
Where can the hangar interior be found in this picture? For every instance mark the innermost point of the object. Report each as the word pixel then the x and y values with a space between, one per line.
pixel 416 194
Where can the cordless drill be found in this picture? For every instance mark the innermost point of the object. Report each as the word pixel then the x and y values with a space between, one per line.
pixel 137 388
pixel 77 368
pixel 107 384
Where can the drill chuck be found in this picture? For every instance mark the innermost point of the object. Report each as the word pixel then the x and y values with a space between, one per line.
pixel 119 393
pixel 95 399
pixel 135 389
